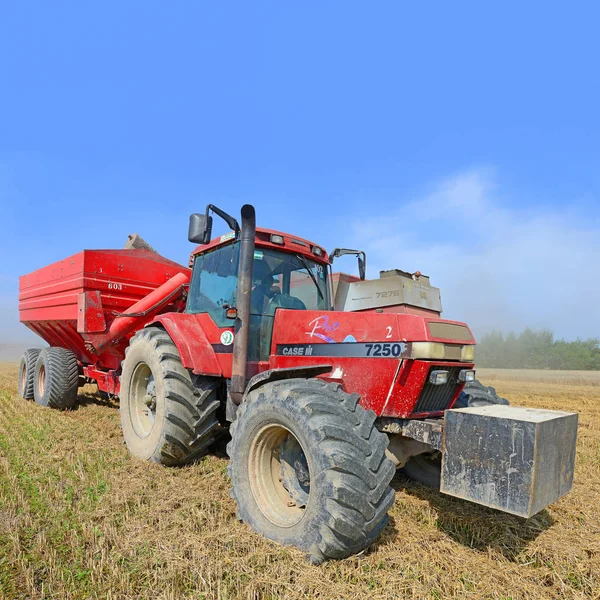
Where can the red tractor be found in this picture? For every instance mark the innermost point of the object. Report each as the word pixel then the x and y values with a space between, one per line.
pixel 325 383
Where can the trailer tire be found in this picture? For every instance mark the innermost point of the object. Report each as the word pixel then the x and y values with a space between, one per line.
pixel 56 378
pixel 27 373
pixel 165 418
pixel 427 468
pixel 308 468
pixel 476 394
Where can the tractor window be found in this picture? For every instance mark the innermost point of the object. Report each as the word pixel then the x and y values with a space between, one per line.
pixel 214 283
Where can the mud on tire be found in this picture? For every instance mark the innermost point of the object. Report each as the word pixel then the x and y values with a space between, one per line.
pixel 165 417
pixel 27 373
pixel 336 471
pixel 56 378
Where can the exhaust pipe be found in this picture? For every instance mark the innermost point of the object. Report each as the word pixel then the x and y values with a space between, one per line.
pixel 244 289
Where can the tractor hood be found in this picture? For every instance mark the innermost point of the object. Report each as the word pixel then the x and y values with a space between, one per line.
pixel 386 358
pixel 370 334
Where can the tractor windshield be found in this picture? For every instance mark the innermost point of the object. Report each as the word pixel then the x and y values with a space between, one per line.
pixel 282 280
pixel 287 281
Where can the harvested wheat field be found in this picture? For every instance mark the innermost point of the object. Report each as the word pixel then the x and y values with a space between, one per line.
pixel 576 378
pixel 79 518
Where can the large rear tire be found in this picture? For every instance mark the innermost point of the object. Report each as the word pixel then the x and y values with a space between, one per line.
pixel 56 378
pixel 165 417
pixel 308 468
pixel 427 468
pixel 27 373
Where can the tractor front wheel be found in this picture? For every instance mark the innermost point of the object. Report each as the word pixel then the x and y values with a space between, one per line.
pixel 165 417
pixel 308 468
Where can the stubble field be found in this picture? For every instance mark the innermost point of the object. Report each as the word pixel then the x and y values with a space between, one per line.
pixel 79 518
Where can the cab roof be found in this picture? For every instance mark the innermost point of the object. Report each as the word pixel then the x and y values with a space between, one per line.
pixel 291 243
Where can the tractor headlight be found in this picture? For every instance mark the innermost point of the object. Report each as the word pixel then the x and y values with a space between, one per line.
pixel 467 353
pixel 466 375
pixel 428 350
pixel 438 377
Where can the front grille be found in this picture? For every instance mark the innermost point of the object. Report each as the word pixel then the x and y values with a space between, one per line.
pixel 434 398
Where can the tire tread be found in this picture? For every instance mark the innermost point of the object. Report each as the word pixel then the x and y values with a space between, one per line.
pixel 61 379
pixel 28 362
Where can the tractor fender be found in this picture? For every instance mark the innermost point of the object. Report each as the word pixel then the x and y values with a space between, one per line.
pixel 195 350
pixel 287 373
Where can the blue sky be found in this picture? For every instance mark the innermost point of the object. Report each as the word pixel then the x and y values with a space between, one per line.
pixel 460 139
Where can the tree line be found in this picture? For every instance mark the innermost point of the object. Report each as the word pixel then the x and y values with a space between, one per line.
pixel 537 350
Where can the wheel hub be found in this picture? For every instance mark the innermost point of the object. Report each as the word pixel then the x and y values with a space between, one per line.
pixel 150 398
pixel 279 475
pixel 41 380
pixel 23 377
pixel 143 400
pixel 295 475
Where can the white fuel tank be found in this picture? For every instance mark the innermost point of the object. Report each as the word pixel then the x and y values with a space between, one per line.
pixel 393 288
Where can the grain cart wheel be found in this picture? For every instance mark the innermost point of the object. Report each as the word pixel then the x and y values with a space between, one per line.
pixel 164 417
pixel 27 373
pixel 56 378
pixel 427 468
pixel 308 468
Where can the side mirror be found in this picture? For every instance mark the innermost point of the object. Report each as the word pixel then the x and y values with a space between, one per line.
pixel 200 228
pixel 362 268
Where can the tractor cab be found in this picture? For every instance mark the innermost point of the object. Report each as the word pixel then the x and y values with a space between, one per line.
pixel 287 272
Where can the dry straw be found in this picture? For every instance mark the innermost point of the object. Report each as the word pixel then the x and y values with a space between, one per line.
pixel 79 518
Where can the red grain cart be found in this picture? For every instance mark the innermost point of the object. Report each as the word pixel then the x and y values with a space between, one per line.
pixel 92 302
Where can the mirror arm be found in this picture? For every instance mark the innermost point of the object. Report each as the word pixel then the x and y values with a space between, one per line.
pixel 362 259
pixel 233 224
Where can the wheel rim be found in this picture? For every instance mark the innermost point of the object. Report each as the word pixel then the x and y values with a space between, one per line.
pixel 23 377
pixel 142 400
pixel 279 475
pixel 41 380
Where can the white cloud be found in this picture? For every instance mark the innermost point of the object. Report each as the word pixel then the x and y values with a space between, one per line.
pixel 497 266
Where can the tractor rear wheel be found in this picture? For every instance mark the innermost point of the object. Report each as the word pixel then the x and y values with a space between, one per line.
pixel 427 468
pixel 27 373
pixel 56 378
pixel 308 468
pixel 165 417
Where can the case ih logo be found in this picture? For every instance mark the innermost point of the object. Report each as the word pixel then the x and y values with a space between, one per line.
pixel 348 350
